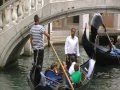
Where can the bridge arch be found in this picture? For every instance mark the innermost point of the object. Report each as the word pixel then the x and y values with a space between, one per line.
pixel 19 34
pixel 13 48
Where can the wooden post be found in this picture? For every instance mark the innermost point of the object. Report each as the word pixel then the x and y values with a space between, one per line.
pixel 49 34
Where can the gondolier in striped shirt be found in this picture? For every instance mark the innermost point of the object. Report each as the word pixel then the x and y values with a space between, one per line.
pixel 36 37
pixel 71 48
pixel 96 22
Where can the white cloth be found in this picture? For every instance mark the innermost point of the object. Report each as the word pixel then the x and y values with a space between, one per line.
pixel 42 80
pixel 91 67
pixel 72 45
pixel 96 20
pixel 71 69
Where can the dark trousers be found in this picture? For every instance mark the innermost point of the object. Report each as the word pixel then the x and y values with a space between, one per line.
pixel 93 34
pixel 70 58
pixel 38 57
pixel 35 71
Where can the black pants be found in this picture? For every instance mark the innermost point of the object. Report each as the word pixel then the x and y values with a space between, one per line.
pixel 93 34
pixel 71 58
pixel 38 56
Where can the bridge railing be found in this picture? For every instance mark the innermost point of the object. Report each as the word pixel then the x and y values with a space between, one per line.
pixel 13 11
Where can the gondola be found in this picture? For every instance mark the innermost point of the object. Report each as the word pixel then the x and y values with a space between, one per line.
pixel 102 56
pixel 54 85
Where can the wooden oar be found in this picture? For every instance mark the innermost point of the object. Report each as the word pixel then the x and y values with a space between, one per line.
pixel 109 39
pixel 62 67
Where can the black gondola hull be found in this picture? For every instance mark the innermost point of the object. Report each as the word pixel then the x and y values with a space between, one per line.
pixel 83 86
pixel 102 56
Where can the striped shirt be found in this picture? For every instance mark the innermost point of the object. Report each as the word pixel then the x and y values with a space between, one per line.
pixel 37 36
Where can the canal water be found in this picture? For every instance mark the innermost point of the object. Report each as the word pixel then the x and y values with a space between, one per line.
pixel 105 78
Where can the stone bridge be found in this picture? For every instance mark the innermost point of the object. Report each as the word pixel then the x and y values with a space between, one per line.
pixel 16 18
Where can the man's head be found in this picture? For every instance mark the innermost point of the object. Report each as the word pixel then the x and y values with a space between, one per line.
pixel 54 65
pixel 76 67
pixel 73 30
pixel 36 19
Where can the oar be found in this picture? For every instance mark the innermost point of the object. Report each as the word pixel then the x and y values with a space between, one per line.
pixel 62 67
pixel 109 39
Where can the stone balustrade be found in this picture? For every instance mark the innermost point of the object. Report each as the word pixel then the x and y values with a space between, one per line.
pixel 13 12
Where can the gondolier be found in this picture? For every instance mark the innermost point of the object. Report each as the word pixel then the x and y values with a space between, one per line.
pixel 96 22
pixel 71 48
pixel 36 37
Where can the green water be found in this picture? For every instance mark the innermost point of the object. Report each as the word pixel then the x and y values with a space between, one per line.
pixel 15 77
pixel 105 78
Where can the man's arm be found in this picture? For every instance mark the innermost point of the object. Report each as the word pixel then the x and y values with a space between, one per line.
pixel 104 26
pixel 46 34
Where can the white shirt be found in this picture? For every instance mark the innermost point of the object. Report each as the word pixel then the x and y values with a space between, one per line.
pixel 97 20
pixel 72 45
pixel 71 69
pixel 91 67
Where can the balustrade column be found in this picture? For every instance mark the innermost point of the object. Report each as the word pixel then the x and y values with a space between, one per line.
pixel 14 13
pixel 39 3
pixel 27 7
pixel 33 5
pixel 8 16
pixel 20 10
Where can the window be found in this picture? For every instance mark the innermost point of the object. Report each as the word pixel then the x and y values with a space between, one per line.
pixel 75 19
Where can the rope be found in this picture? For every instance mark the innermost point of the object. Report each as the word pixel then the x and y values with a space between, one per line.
pixel 62 67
